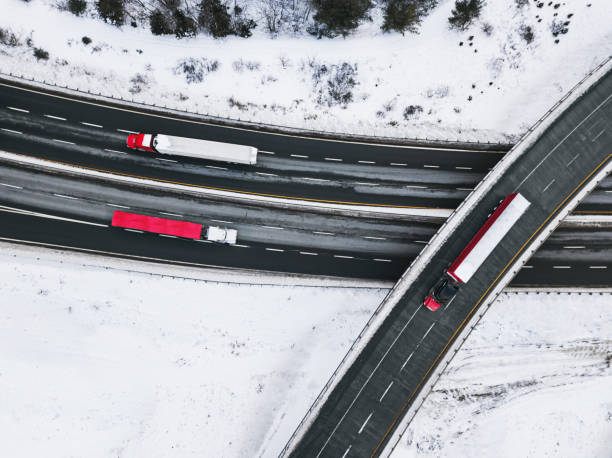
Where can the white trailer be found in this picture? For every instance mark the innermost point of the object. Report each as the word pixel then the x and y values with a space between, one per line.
pixel 194 147
pixel 477 251
pixel 488 237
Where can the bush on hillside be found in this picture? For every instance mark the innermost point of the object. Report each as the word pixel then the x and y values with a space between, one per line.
pixel 214 18
pixel 401 16
pixel 41 54
pixel 77 7
pixel 160 25
pixel 112 11
pixel 464 13
pixel 184 26
pixel 195 70
pixel 241 25
pixel 338 17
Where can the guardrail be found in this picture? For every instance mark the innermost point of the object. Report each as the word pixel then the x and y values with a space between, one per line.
pixel 437 240
pixel 271 128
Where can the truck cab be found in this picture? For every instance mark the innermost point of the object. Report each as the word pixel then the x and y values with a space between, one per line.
pixel 442 293
pixel 143 142
pixel 221 235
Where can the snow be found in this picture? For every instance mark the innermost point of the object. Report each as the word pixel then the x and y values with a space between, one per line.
pixel 533 380
pixel 106 358
pixel 511 83
pixel 103 361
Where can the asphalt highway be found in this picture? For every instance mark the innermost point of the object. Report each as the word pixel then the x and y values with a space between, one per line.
pixel 323 244
pixel 93 135
pixel 367 404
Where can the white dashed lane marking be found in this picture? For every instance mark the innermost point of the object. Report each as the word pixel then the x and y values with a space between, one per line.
pixel 365 423
pixel 386 391
pixel 12 131
pixel 64 196
pixel 18 109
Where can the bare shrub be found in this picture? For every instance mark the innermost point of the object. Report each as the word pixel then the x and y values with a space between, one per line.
pixel 41 54
pixel 236 104
pixel 487 28
pixel 8 38
pixel 139 82
pixel 526 32
pixel 334 84
pixel 240 65
pixel 194 70
pixel 412 111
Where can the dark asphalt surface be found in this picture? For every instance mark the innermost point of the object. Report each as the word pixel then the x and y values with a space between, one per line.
pixel 369 401
pixel 372 249
pixel 289 166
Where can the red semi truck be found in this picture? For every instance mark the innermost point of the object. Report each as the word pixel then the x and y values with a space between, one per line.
pixel 172 227
pixel 478 250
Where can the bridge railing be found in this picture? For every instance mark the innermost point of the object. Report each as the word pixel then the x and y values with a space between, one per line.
pixel 431 248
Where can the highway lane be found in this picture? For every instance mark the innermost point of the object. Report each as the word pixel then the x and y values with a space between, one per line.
pixel 288 146
pixel 94 146
pixel 366 405
pixel 93 237
pixel 101 148
pixel 584 250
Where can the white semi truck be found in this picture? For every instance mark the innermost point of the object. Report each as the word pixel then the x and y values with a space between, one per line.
pixel 478 250
pixel 193 147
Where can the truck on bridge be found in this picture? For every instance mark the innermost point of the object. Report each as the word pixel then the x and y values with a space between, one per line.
pixel 172 227
pixel 193 147
pixel 498 224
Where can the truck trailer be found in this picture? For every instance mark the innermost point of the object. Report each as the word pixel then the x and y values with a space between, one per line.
pixel 193 147
pixel 489 236
pixel 172 227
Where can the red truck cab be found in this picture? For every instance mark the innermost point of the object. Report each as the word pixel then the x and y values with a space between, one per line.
pixel 143 142
pixel 442 293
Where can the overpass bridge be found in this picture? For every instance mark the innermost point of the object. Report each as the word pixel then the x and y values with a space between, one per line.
pixel 385 375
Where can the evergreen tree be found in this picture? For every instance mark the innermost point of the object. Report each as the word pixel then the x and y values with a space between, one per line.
pixel 338 17
pixel 464 13
pixel 77 7
pixel 111 11
pixel 214 17
pixel 184 26
pixel 159 23
pixel 401 16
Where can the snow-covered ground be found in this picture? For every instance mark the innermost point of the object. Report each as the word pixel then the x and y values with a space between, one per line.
pixel 101 359
pixel 532 380
pixel 489 88
pixel 98 361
